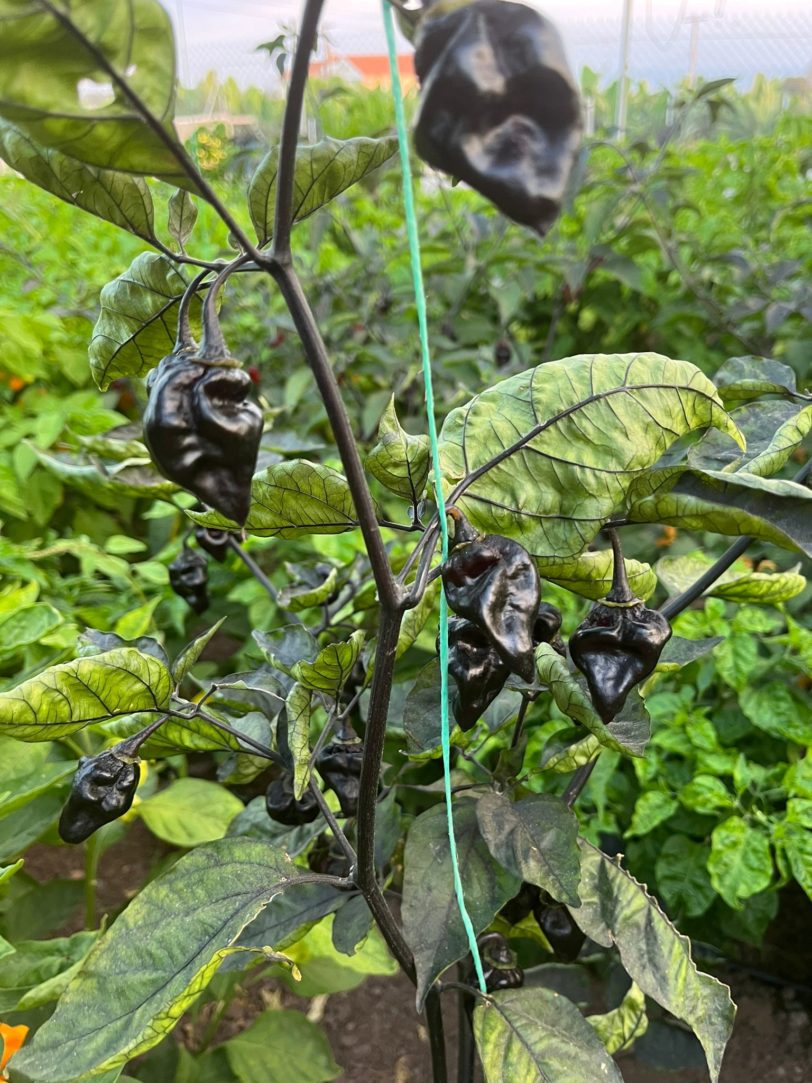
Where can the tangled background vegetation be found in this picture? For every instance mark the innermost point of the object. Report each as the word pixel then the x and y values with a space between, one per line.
pixel 690 240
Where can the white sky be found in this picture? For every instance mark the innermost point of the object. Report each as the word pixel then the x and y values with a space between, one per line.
pixel 738 37
pixel 204 19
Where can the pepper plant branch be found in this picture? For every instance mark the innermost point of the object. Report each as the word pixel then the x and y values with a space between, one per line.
pixel 291 124
pixel 389 592
pixel 334 826
pixel 164 135
pixel 577 782
pixel 380 693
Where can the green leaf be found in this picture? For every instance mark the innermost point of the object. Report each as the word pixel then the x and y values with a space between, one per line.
pixel 431 918
pixel 616 910
pixel 137 324
pixel 191 653
pixel 47 62
pixel 536 839
pixel 741 379
pixel 767 588
pixel 189 812
pixel 600 422
pixel 651 809
pixel 137 622
pixel 736 658
pixel 786 438
pixel 106 485
pixel 279 1043
pixel 190 917
pixel 17 792
pixel 772 428
pixel 415 620
pixel 64 698
pixel 573 701
pixel 706 794
pixel 566 760
pixel 351 925
pixel 296 598
pixel 773 708
pixel 738 584
pixel 38 961
pixel 740 864
pixel 537 1036
pixel 681 652
pixel 291 500
pixel 323 171
pixel 590 574
pixel 682 876
pixel 115 197
pixel 182 217
pixel 299 705
pixel 6 873
pixel 323 972
pixel 620 1028
pixel 332 667
pixel 285 647
pixel 796 842
pixel 774 510
pixel 25 626
pixel 399 461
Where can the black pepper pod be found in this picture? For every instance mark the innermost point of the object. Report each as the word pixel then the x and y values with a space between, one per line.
pixel 201 427
pixel 563 935
pixel 619 642
pixel 477 669
pixel 493 582
pixel 498 105
pixel 522 903
pixel 214 542
pixel 282 805
pixel 339 764
pixel 189 578
pixel 499 963
pixel 103 789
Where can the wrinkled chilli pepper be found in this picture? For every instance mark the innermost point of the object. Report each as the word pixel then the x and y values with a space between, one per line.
pixel 619 642
pixel 200 425
pixel 498 107
pixel 493 582
pixel 339 764
pixel 103 789
pixel 189 578
pixel 499 963
pixel 282 805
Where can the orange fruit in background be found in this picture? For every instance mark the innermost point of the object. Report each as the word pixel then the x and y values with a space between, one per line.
pixel 13 1038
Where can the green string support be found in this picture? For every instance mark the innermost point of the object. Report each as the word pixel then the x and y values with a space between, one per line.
pixel 425 352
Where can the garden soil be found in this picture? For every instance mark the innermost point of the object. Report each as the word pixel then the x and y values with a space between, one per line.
pixel 377 1038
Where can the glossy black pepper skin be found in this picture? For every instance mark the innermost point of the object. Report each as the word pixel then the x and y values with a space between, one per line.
pixel 616 648
pixel 499 107
pixel 493 582
pixel 203 430
pixel 339 764
pixel 499 964
pixel 477 669
pixel 619 641
pixel 564 936
pixel 189 577
pixel 103 789
pixel 283 807
pixel 214 542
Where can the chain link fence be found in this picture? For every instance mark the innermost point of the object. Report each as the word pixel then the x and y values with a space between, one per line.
pixel 695 39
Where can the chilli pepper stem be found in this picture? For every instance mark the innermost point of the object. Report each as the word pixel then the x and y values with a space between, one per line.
pixel 213 344
pixel 621 592
pixel 184 339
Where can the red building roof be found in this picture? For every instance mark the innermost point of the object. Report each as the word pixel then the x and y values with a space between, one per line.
pixel 369 70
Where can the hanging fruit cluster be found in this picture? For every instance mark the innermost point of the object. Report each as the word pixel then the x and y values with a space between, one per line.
pixel 491 583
